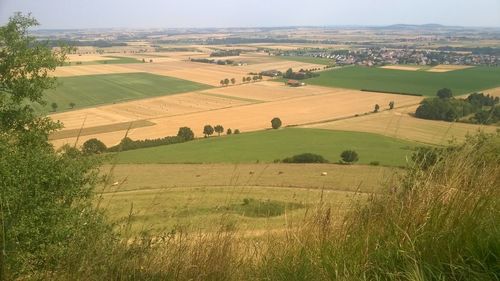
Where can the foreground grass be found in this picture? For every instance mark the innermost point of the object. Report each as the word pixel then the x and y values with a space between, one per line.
pixel 414 82
pixel 91 90
pixel 267 146
pixel 436 222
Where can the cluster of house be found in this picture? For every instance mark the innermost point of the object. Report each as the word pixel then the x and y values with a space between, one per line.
pixel 386 56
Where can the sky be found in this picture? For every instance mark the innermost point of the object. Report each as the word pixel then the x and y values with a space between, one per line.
pixel 69 14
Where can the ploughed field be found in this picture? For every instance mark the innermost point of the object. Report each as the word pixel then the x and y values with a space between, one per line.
pixel 426 83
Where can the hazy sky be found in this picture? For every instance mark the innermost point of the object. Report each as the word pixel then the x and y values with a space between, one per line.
pixel 237 13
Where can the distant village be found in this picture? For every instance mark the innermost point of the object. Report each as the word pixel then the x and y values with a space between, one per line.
pixel 386 56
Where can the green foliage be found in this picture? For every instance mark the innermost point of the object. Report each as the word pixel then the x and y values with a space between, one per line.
pixel 219 129
pixel 448 109
pixel 376 108
pixel 349 156
pixel 444 93
pixel 185 133
pixel 426 157
pixel 72 105
pixel 237 132
pixel 305 158
pixel 129 144
pixel 54 106
pixel 93 146
pixel 229 131
pixel 391 105
pixel 276 123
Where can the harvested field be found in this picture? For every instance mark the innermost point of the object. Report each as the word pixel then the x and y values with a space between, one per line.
pixel 100 129
pixel 81 70
pixel 448 68
pixel 328 105
pixel 269 91
pixel 87 58
pixel 399 123
pixel 403 67
pixel 112 115
pixel 281 65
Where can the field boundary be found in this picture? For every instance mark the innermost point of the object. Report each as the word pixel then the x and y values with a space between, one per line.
pixel 100 129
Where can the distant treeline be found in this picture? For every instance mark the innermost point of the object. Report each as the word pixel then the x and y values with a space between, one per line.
pixel 77 43
pixel 239 40
pixel 174 49
pixel 228 53
pixel 475 51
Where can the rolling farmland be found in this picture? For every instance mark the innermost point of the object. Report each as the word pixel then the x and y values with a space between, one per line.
pixel 424 83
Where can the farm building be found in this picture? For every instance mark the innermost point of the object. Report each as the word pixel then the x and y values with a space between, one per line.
pixel 271 73
pixel 295 83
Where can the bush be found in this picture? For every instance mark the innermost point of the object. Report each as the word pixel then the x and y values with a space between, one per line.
pixel 185 133
pixel 93 146
pixel 237 132
pixel 276 123
pixel 305 158
pixel 349 156
pixel 375 163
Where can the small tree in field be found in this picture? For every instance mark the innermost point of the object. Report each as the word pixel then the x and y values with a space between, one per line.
pixel 229 131
pixel 221 82
pixel 54 106
pixel 219 129
pixel 186 133
pixel 349 156
pixel 377 108
pixel 208 130
pixel 276 123
pixel 391 105
pixel 244 79
pixel 72 105
pixel 233 81
pixel 226 81
pixel 237 132
pixel 93 146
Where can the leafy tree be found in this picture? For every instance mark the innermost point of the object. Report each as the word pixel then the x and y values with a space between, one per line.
pixel 276 123
pixel 186 133
pixel 391 105
pixel 233 81
pixel 255 78
pixel 444 93
pixel 72 105
pixel 237 132
pixel 226 81
pixel 249 79
pixel 288 73
pixel 93 146
pixel 219 129
pixel 208 130
pixel 377 108
pixel 229 131
pixel 349 156
pixel 222 83
pixel 46 200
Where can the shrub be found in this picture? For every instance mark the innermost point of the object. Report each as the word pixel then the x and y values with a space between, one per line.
pixel 375 163
pixel 93 146
pixel 237 132
pixel 185 133
pixel 305 158
pixel 349 156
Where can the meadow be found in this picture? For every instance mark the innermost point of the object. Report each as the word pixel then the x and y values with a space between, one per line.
pixel 92 90
pixel 254 196
pixel 271 145
pixel 411 82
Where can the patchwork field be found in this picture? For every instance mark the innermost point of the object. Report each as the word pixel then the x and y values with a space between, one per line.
pixel 415 82
pixel 313 60
pixel 400 124
pixel 267 146
pixel 306 105
pixel 91 90
pixel 74 60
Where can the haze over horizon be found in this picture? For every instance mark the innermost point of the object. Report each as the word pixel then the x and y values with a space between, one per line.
pixel 226 13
